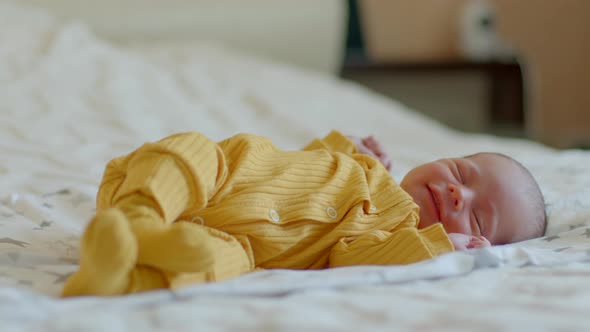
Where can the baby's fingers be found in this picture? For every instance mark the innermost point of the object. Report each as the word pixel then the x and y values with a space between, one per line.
pixel 376 150
pixel 477 242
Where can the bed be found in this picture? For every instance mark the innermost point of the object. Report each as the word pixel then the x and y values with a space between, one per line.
pixel 69 102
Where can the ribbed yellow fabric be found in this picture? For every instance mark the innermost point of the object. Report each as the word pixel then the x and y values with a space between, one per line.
pixel 334 142
pixel 251 206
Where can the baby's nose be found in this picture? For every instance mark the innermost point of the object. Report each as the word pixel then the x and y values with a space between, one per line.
pixel 456 197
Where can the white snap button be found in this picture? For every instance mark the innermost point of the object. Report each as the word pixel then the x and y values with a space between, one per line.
pixel 332 213
pixel 198 219
pixel 373 208
pixel 274 215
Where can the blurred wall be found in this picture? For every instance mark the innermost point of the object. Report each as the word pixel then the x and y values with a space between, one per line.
pixel 307 33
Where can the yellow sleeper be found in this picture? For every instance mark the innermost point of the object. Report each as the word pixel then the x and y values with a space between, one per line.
pixel 185 210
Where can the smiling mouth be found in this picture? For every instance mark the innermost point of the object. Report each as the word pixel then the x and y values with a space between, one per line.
pixel 435 203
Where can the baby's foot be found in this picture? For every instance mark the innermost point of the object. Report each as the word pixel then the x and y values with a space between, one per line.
pixel 108 254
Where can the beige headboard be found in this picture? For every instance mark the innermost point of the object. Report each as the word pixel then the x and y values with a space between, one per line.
pixel 309 33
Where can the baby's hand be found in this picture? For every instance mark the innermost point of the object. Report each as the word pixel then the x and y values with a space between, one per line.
pixel 478 242
pixel 465 242
pixel 371 146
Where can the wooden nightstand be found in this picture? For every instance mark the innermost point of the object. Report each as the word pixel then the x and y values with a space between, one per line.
pixel 482 97
pixel 552 40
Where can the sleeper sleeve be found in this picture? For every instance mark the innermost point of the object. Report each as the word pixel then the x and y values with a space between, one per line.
pixel 403 246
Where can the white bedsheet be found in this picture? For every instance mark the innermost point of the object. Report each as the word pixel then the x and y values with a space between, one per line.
pixel 69 103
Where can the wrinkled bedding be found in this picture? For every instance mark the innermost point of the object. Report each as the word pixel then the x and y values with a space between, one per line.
pixel 70 102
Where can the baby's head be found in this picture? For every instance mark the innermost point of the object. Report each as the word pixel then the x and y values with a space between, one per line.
pixel 487 194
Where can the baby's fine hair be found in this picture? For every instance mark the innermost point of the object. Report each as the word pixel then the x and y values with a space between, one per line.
pixel 535 195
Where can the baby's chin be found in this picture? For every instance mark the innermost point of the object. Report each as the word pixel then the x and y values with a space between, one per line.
pixel 403 184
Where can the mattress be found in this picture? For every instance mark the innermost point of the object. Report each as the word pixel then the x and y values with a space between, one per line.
pixel 69 102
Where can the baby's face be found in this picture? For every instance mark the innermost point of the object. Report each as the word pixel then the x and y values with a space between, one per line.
pixel 476 195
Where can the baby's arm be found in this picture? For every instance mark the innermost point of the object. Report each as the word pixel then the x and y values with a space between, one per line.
pixel 403 246
pixel 465 242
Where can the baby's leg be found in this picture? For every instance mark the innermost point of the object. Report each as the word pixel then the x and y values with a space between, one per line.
pixel 139 200
pixel 164 179
pixel 114 261
pixel 179 247
pixel 108 253
pixel 109 247
pixel 187 247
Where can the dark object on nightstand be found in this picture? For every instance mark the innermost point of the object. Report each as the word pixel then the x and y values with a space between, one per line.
pixel 504 105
